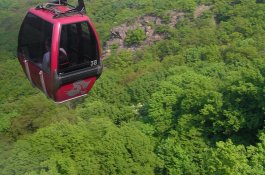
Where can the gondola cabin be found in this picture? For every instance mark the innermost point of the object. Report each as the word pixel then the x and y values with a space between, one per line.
pixel 59 50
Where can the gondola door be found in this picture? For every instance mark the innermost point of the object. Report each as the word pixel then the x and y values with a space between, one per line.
pixel 34 45
pixel 79 44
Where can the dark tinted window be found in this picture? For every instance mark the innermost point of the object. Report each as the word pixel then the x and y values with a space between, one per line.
pixel 35 39
pixel 81 47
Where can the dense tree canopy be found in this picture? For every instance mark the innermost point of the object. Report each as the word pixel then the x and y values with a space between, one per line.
pixel 191 102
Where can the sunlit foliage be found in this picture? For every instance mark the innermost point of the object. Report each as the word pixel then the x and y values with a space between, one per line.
pixel 191 103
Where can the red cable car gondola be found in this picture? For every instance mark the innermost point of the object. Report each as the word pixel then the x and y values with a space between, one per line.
pixel 59 50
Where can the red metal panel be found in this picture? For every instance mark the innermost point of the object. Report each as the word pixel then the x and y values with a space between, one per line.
pixel 55 48
pixel 74 90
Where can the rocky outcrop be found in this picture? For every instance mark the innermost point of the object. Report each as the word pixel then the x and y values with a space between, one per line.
pixel 147 24
pixel 200 10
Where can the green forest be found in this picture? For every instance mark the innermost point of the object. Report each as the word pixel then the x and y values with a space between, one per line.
pixel 190 102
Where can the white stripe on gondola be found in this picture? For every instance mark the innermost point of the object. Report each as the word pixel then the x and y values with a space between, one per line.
pixel 43 83
pixel 28 71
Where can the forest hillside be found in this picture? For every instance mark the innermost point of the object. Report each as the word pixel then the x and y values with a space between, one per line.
pixel 182 92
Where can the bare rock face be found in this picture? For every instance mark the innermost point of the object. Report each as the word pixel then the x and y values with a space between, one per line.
pixel 118 34
pixel 150 19
pixel 175 16
pixel 200 10
pixel 149 31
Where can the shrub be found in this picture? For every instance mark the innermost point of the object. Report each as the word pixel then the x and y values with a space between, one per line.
pixel 135 37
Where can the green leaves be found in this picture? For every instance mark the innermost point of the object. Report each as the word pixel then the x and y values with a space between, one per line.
pixel 135 37
pixel 86 148
pixel 192 103
pixel 176 159
pixel 228 159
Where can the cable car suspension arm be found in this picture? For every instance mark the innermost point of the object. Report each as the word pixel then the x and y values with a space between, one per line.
pixel 57 13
